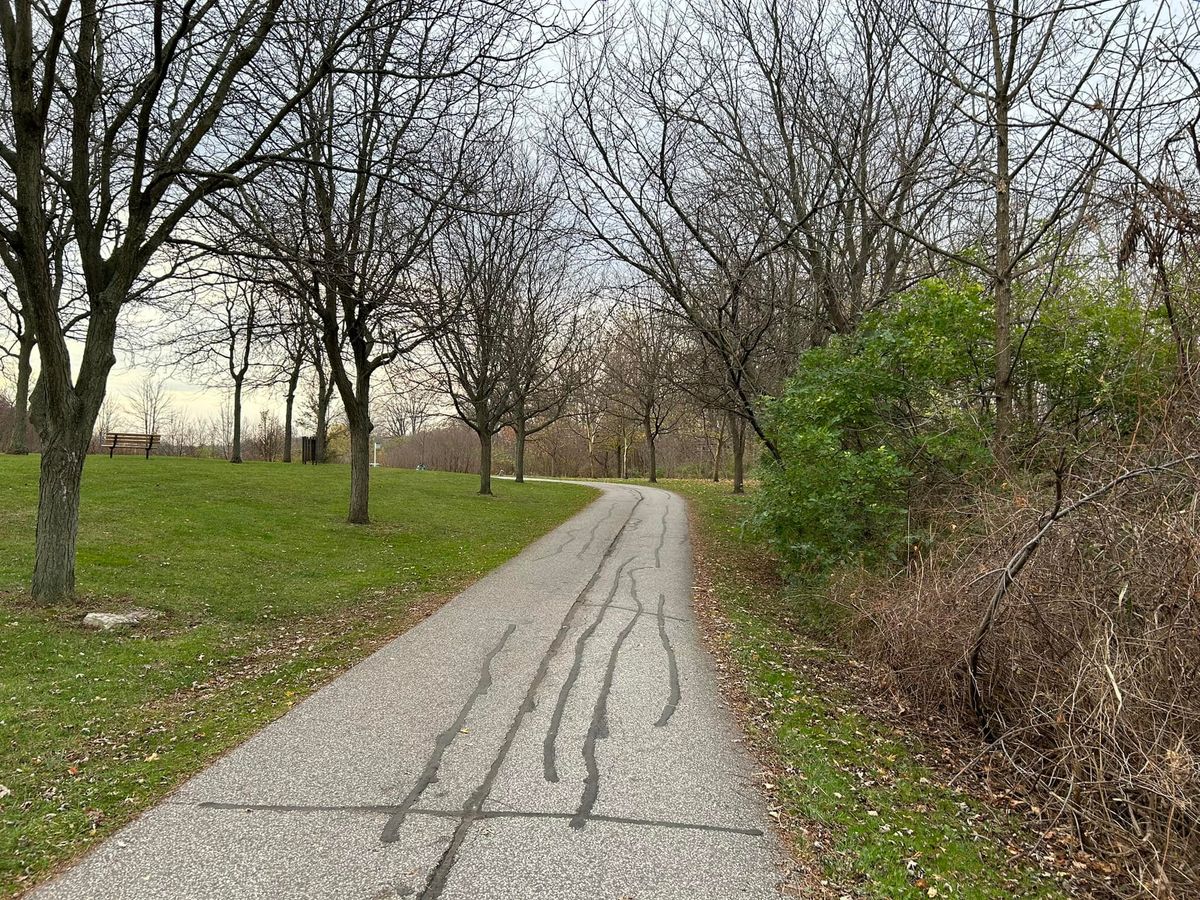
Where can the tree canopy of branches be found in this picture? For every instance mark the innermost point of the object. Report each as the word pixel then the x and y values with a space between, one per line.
pixel 123 118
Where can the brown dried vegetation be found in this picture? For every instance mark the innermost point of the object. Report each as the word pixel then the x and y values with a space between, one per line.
pixel 1087 670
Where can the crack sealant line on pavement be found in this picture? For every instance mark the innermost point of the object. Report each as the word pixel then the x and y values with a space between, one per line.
pixel 662 536
pixel 482 815
pixel 391 830
pixel 672 664
pixel 550 743
pixel 599 726
pixel 474 805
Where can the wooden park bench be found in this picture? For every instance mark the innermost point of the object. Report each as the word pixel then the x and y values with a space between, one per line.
pixel 117 441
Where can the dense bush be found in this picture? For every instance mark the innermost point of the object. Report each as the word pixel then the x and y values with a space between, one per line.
pixel 872 425
pixel 1093 362
pixel 863 419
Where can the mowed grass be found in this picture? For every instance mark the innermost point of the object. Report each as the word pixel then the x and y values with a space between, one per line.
pixel 265 594
pixel 891 826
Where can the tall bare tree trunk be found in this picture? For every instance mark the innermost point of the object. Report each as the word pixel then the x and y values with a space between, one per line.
pixel 485 462
pixel 18 439
pixel 58 517
pixel 236 456
pixel 482 421
pixel 737 445
pixel 650 451
pixel 519 428
pixel 360 467
pixel 293 383
pixel 64 414
pixel 1003 280
pixel 324 396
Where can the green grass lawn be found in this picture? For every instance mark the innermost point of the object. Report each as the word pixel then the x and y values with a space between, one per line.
pixel 892 828
pixel 265 594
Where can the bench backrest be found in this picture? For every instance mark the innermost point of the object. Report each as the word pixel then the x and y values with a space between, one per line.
pixel 124 440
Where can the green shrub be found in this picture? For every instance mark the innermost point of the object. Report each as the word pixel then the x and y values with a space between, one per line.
pixel 907 401
pixel 861 418
pixel 1091 356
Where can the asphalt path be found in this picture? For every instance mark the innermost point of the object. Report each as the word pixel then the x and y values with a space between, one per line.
pixel 555 731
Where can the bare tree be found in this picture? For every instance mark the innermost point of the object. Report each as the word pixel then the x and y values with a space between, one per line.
pixel 108 420
pixel 291 346
pixel 123 119
pixel 546 345
pixel 588 405
pixel 150 406
pixel 1153 183
pixel 730 158
pixel 384 144
pixel 640 367
pixel 629 149
pixel 268 436
pixel 223 334
pixel 1037 89
pixel 409 402
pixel 321 393
pixel 481 270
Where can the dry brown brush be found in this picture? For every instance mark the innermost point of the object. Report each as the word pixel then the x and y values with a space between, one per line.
pixel 1086 652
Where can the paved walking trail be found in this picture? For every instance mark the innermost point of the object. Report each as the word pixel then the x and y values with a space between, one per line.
pixel 555 731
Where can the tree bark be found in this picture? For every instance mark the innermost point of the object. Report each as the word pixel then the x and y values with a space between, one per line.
pixel 293 383
pixel 485 462
pixel 63 454
pixel 236 455
pixel 324 395
pixel 650 451
pixel 737 445
pixel 360 468
pixel 18 440
pixel 287 428
pixel 482 421
pixel 519 428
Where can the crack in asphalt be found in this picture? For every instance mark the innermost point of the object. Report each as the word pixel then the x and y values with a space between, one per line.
pixel 594 532
pixel 391 830
pixel 672 665
pixel 642 613
pixel 481 815
pixel 550 744
pixel 474 804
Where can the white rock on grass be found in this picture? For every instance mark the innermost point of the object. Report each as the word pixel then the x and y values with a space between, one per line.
pixel 108 621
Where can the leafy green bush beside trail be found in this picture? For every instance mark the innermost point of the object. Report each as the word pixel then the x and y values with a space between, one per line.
pixel 874 424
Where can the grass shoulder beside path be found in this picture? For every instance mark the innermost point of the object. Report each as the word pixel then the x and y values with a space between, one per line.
pixel 265 595
pixel 865 803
